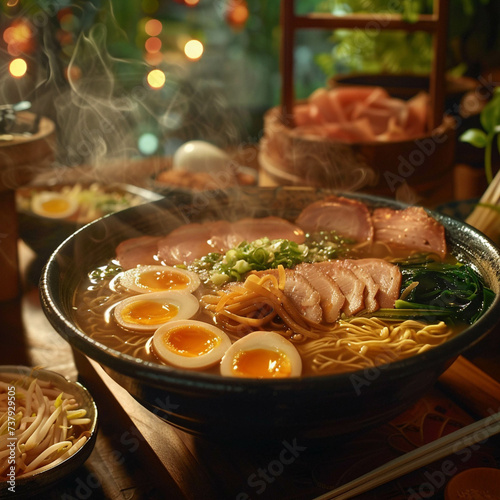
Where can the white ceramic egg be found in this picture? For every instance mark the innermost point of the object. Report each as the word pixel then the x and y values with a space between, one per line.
pixel 53 204
pixel 190 344
pixel 262 355
pixel 146 312
pixel 200 156
pixel 147 279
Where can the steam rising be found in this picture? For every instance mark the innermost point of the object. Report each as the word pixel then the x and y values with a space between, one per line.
pixel 101 104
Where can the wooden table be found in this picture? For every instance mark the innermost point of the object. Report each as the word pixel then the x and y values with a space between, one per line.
pixel 138 456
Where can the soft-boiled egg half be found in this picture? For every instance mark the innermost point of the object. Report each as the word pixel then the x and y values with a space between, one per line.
pixel 262 355
pixel 147 312
pixel 53 204
pixel 190 344
pixel 146 279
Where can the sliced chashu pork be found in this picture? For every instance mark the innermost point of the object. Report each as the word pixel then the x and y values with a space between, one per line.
pixel 323 290
pixel 348 218
pixel 411 228
pixel 388 278
pixel 274 228
pixel 371 288
pixel 331 297
pixel 350 285
pixel 303 295
pixel 192 241
pixel 137 251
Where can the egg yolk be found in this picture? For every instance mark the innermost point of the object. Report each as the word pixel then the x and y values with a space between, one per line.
pixel 190 341
pixel 261 363
pixel 162 280
pixel 55 206
pixel 146 312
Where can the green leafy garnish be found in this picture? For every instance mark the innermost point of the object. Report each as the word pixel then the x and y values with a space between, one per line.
pixel 257 255
pixel 104 272
pixel 265 253
pixel 453 292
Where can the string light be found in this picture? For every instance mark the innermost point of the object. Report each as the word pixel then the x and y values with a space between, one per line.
pixel 153 45
pixel 18 37
pixel 153 27
pixel 237 15
pixel 18 67
pixel 193 49
pixel 156 78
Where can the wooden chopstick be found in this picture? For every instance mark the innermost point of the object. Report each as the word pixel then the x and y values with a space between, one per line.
pixel 440 448
pixel 484 218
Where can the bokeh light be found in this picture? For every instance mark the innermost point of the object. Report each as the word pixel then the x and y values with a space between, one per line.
pixel 69 22
pixel 18 37
pixel 156 78
pixel 193 49
pixel 73 73
pixel 153 58
pixel 153 45
pixel 18 67
pixel 191 3
pixel 153 27
pixel 238 15
pixel 148 143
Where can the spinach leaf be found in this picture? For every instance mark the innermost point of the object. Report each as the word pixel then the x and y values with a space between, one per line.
pixel 454 292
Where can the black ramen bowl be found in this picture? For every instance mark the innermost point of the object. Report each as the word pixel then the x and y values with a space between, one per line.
pixel 312 408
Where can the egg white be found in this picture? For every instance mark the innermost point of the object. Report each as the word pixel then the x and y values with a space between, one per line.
pixel 40 201
pixel 131 279
pixel 267 341
pixel 168 355
pixel 186 303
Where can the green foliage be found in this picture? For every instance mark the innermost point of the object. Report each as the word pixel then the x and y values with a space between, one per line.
pixel 490 121
pixel 470 30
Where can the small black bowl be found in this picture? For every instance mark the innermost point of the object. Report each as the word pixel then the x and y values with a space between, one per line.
pixel 44 234
pixel 310 408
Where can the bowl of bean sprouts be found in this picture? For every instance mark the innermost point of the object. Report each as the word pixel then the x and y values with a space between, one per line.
pixel 48 428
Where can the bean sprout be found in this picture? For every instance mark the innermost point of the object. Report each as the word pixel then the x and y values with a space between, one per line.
pixel 46 424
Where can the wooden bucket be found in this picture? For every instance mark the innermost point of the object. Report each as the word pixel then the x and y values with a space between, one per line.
pixel 418 170
pixel 21 159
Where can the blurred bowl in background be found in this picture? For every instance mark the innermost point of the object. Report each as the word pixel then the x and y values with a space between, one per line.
pixel 48 214
pixel 170 180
